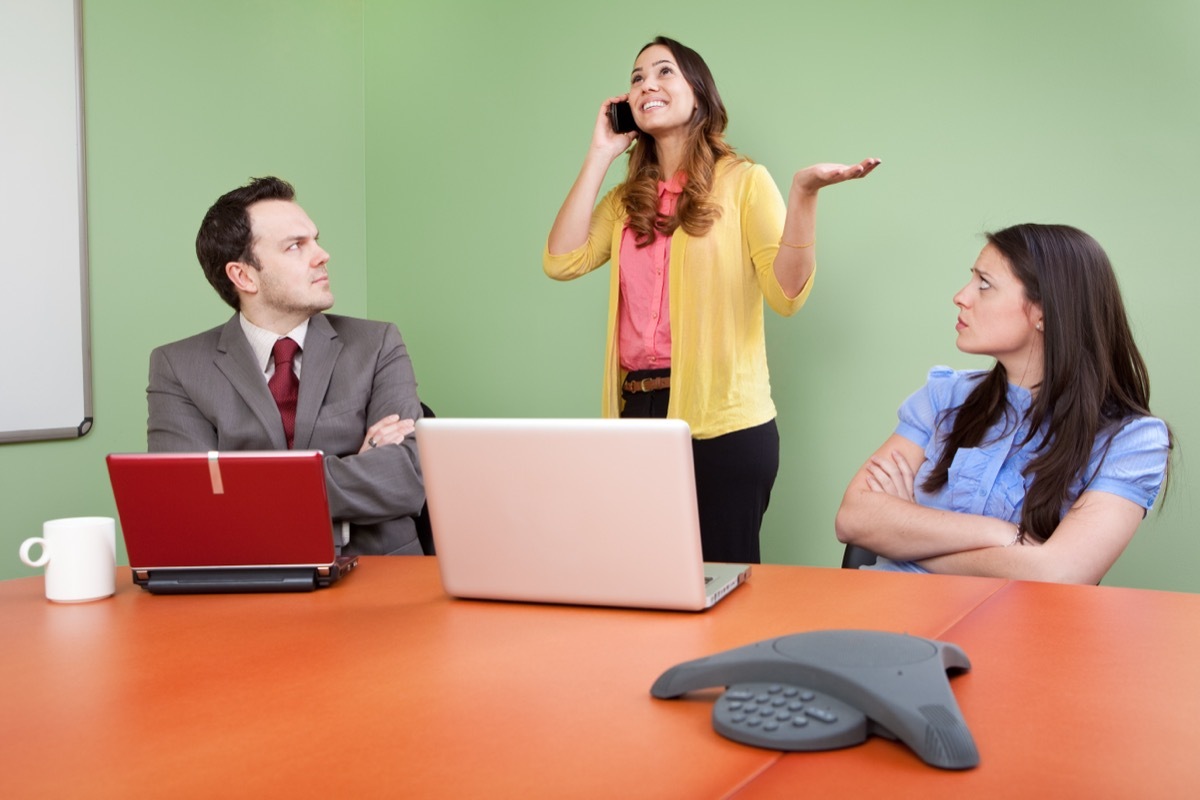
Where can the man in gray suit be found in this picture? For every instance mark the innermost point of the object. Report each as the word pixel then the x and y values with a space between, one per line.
pixel 356 400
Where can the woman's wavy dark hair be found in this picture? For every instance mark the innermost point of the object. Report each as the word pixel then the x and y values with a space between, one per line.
pixel 1094 378
pixel 696 212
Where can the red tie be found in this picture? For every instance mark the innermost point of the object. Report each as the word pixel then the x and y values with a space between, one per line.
pixel 284 385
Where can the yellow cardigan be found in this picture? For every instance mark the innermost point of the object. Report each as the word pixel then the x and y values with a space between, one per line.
pixel 719 377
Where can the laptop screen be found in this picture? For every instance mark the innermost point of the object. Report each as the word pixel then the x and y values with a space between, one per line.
pixel 591 511
pixel 229 509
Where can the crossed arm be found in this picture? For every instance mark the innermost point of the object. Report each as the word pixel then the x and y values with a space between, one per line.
pixel 196 409
pixel 879 512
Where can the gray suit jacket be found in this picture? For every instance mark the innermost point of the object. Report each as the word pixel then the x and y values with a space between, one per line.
pixel 206 393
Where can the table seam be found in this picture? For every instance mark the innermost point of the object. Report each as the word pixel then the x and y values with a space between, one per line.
pixel 971 610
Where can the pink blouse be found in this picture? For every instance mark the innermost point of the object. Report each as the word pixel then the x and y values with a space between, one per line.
pixel 643 314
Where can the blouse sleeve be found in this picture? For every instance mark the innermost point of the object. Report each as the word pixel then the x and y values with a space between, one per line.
pixel 1134 465
pixel 920 412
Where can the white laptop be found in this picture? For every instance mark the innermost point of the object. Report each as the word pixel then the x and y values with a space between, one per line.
pixel 593 512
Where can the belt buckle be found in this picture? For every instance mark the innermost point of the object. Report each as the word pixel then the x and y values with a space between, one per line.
pixel 643 382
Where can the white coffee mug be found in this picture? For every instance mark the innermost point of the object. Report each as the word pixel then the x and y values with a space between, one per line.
pixel 80 556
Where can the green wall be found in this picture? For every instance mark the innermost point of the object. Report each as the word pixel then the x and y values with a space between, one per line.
pixel 433 143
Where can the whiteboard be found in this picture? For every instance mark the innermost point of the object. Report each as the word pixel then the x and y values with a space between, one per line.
pixel 45 348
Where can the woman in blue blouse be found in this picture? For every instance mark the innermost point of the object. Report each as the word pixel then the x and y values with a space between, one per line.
pixel 1040 468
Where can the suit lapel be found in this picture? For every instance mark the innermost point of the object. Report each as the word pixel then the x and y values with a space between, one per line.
pixel 235 360
pixel 321 350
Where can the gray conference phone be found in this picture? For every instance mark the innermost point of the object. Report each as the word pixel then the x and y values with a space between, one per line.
pixel 828 689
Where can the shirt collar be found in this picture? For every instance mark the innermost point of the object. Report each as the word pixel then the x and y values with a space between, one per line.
pixel 674 186
pixel 262 341
pixel 1019 397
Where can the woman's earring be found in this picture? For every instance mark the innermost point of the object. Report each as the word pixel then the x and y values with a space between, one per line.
pixel 1039 326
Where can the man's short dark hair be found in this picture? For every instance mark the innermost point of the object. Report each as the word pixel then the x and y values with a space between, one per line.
pixel 225 233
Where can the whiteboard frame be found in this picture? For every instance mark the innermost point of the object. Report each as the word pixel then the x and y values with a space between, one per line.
pixel 85 424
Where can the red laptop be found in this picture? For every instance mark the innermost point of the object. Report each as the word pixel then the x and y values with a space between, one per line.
pixel 226 522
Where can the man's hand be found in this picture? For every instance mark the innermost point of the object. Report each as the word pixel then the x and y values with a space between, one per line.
pixel 389 430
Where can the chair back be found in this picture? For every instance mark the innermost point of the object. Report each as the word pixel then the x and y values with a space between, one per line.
pixel 856 557
pixel 424 528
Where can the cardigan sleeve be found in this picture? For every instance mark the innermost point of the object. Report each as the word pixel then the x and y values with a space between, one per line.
pixel 763 213
pixel 597 250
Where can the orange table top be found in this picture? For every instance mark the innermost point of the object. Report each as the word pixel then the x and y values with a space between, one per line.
pixel 384 686
pixel 1074 691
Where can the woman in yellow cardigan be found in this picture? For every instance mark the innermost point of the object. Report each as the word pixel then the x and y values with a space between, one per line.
pixel 698 237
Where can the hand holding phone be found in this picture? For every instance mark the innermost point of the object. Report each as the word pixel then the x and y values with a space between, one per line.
pixel 620 117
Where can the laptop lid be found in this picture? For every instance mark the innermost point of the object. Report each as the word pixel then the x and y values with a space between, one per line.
pixel 596 512
pixel 229 521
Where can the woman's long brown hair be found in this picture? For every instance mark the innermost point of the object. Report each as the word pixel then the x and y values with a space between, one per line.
pixel 705 146
pixel 1094 378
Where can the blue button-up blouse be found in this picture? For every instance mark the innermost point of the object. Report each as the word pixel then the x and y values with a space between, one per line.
pixel 990 480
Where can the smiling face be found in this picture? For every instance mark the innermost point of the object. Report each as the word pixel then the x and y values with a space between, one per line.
pixel 996 318
pixel 289 281
pixel 661 97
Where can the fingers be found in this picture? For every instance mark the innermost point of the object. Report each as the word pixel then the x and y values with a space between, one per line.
pixel 905 470
pixel 389 430
pixel 907 479
pixel 843 172
pixel 819 176
pixel 866 166
pixel 604 139
pixel 604 108
pixel 879 472
pixel 891 476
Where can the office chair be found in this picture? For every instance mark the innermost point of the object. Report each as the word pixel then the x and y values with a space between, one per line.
pixel 424 528
pixel 855 557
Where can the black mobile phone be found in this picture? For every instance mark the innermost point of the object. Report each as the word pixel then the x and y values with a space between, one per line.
pixel 620 116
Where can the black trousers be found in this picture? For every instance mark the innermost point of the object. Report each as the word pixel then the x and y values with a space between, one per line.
pixel 734 477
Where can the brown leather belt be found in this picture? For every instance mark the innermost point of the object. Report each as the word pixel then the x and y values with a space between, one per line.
pixel 647 385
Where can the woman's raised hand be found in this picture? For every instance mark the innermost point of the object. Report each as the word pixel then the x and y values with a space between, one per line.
pixel 811 179
pixel 570 229
pixel 605 140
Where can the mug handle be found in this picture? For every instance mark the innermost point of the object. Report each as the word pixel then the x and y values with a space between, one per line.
pixel 28 544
